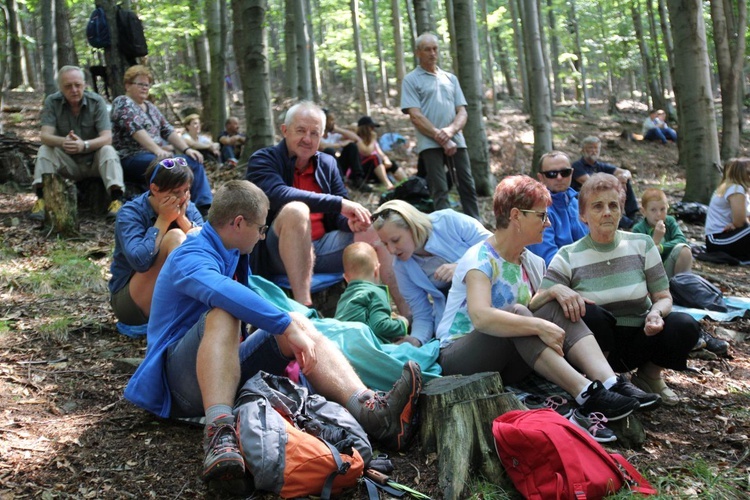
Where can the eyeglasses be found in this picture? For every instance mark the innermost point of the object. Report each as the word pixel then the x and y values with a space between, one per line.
pixel 169 164
pixel 542 215
pixel 552 174
pixel 142 85
pixel 262 228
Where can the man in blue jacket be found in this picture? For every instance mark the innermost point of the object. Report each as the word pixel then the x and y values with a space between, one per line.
pixel 311 216
pixel 199 356
pixel 566 226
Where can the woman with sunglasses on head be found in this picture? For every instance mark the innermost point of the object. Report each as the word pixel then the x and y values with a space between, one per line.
pixel 147 229
pixel 487 325
pixel 426 247
pixel 566 226
pixel 140 134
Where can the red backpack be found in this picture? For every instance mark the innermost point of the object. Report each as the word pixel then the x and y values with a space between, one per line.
pixel 546 457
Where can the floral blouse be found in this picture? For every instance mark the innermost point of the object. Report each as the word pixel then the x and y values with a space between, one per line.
pixel 128 118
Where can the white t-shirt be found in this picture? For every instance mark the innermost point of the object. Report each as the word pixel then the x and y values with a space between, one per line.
pixel 720 213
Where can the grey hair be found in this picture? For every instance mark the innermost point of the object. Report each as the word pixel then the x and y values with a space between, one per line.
pixel 424 36
pixel 66 69
pixel 592 139
pixel 305 107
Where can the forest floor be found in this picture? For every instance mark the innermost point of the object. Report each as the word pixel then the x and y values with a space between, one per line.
pixel 67 432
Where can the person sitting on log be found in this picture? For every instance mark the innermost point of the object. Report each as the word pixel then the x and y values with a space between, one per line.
pixel 231 141
pixel 199 353
pixel 148 228
pixel 141 134
pixel 366 300
pixel 196 140
pixel 77 140
pixel 426 248
pixel 487 324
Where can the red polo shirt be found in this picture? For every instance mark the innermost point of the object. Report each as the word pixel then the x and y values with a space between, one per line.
pixel 306 180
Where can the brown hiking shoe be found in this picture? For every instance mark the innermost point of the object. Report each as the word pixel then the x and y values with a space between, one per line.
pixel 223 466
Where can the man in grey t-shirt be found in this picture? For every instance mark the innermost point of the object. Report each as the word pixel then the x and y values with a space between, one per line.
pixel 437 107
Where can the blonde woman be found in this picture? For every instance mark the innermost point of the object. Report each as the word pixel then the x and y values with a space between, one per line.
pixel 727 228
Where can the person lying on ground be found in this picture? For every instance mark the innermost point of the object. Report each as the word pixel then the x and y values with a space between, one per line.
pixel 366 300
pixel 148 228
pixel 728 218
pixel 666 233
pixel 199 355
pixel 615 283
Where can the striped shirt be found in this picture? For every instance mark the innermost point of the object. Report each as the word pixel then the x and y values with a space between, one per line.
pixel 620 276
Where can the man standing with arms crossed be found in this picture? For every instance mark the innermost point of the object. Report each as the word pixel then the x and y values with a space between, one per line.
pixel 436 105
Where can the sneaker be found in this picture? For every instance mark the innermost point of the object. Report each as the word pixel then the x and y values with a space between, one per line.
pixel 113 208
pixel 593 423
pixel 700 344
pixel 612 405
pixel 647 400
pixel 230 163
pixel 223 460
pixel 390 418
pixel 554 402
pixel 37 212
pixel 716 346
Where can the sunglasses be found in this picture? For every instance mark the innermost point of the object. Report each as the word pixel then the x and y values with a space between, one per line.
pixel 552 174
pixel 169 164
pixel 542 215
pixel 383 214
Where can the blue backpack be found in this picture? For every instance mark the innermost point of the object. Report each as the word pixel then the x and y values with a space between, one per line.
pixel 97 30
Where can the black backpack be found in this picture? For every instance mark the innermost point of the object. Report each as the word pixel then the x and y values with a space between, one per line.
pixel 690 290
pixel 132 40
pixel 414 190
pixel 97 30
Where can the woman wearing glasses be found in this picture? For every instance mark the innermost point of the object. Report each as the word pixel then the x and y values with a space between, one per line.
pixel 140 133
pixel 426 248
pixel 147 229
pixel 487 325
pixel 615 283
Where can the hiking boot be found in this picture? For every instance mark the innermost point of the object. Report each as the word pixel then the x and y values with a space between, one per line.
pixel 113 208
pixel 593 423
pixel 612 405
pixel 647 400
pixel 223 462
pixel 714 345
pixel 554 402
pixel 391 418
pixel 37 212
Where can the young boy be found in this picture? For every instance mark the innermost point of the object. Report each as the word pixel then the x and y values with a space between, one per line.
pixel 365 300
pixel 663 228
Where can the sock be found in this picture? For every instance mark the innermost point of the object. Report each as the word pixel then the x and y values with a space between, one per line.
pixel 610 382
pixel 216 412
pixel 40 193
pixel 580 399
pixel 354 404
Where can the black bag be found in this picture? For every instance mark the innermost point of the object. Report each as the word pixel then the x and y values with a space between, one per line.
pixel 690 290
pixel 690 211
pixel 414 190
pixel 132 40
pixel 97 30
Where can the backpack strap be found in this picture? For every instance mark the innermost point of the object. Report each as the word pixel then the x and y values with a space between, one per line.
pixel 341 469
pixel 633 479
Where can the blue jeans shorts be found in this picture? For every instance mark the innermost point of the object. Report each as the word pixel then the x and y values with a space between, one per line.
pixel 329 251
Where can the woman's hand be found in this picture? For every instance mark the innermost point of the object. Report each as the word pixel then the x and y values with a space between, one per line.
pixel 552 335
pixel 445 272
pixel 170 208
pixel 571 302
pixel 654 323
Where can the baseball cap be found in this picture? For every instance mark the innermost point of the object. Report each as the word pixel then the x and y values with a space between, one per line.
pixel 367 120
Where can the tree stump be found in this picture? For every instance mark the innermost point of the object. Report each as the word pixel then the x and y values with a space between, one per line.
pixel 629 432
pixel 457 413
pixel 61 204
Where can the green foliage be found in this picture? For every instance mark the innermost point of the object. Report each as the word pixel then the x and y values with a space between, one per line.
pixel 56 329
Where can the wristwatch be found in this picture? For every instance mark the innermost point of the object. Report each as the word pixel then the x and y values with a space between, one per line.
pixel 85 145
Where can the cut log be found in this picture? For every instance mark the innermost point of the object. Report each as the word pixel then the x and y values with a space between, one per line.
pixel 457 413
pixel 61 204
pixel 629 432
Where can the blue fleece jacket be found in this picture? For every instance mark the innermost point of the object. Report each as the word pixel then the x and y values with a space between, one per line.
pixel 201 274
pixel 565 225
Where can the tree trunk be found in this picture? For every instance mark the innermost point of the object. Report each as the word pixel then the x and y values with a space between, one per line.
pixel 698 142
pixel 398 45
pixel 314 66
pixel 656 45
pixel 61 204
pixel 452 57
pixel 490 56
pixel 545 52
pixel 303 52
pixel 48 50
pixel 611 97
pixel 730 49
pixel 66 51
pixel 412 30
pixel 115 62
pixel 16 72
pixel 204 74
pixel 554 46
pixel 216 32
pixel 666 35
pixel 457 415
pixel 581 63
pixel 523 73
pixel 422 17
pixel 470 78
pixel 384 88
pixel 361 83
pixel 657 94
pixel 541 114
pixel 290 46
pixel 251 40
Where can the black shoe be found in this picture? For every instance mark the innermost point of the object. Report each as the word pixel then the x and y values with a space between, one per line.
pixel 593 423
pixel 647 400
pixel 716 346
pixel 612 405
pixel 390 418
